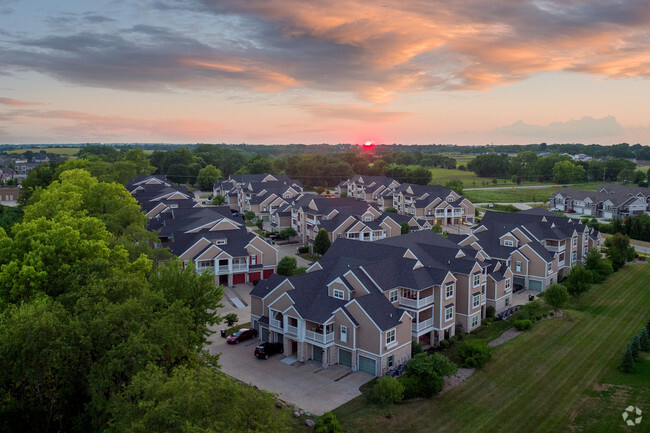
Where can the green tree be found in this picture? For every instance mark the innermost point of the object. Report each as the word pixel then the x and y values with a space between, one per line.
pixel 230 319
pixel 456 185
pixel 405 228
pixel 207 176
pixel 627 361
pixel 474 352
pixel 388 390
pixel 259 224
pixel 619 250
pixel 599 267
pixel 328 423
pixel 218 200
pixel 644 342
pixel 556 296
pixel 287 266
pixel 578 281
pixel 287 233
pixel 636 346
pixel 437 228
pixel 322 242
pixel 566 172
pixel 249 216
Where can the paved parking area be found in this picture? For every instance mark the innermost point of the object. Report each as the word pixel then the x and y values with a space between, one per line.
pixel 307 385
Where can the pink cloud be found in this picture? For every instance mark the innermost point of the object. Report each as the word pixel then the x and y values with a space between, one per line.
pixel 17 103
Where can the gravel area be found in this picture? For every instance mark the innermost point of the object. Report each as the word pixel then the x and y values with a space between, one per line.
pixel 508 334
pixel 452 382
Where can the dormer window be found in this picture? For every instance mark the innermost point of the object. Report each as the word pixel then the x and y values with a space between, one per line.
pixel 367 218
pixel 338 294
pixel 220 241
pixel 508 243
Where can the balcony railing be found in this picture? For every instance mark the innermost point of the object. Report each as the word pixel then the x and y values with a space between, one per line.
pixel 240 267
pixel 223 269
pixel 483 299
pixel 275 323
pixel 421 326
pixel 291 330
pixel 319 337
pixel 416 303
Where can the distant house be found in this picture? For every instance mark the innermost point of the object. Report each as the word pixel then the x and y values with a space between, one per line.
pixel 610 201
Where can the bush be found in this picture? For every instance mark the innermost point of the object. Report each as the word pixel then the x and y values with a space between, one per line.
pixel 474 353
pixel 249 216
pixel 538 317
pixel 230 319
pixel 552 314
pixel 287 266
pixel 391 209
pixel 299 270
pixel 444 344
pixel 523 325
pixel 529 311
pixel 328 423
pixel 415 386
pixel 453 340
pixel 287 233
pixel 416 348
pixel 489 312
pixel 303 249
pixel 388 390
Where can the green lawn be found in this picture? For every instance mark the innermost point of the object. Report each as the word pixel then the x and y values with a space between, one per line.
pixel 560 376
pixel 522 195
pixel 63 151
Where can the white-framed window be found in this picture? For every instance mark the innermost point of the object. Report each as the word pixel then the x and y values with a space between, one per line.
pixel 449 313
pixel 343 333
pixel 338 294
pixel 474 321
pixel 518 266
pixel 449 290
pixel 339 235
pixel 390 337
pixel 574 256
pixel 391 361
pixel 253 259
pixel 507 301
pixel 393 296
pixel 508 243
pixel 264 208
pixel 477 279
pixel 476 300
pixel 367 218
pixel 507 285
pixel 575 242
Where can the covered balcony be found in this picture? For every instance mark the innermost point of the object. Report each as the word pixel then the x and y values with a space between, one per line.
pixel 422 323
pixel 416 298
pixel 318 333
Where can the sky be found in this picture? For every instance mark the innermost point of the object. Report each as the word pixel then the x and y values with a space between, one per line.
pixel 468 72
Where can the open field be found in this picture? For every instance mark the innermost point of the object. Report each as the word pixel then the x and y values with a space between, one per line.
pixel 560 376
pixel 522 195
pixel 470 180
pixel 63 151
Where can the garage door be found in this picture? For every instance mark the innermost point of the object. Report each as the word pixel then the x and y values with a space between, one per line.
pixel 317 354
pixel 239 278
pixel 265 334
pixel 607 215
pixel 367 365
pixel 587 211
pixel 254 276
pixel 267 273
pixel 345 357
pixel 519 282
pixel 535 285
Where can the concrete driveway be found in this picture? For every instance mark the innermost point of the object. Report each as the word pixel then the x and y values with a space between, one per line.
pixel 307 385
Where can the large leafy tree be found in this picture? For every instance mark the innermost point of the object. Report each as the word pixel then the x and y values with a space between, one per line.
pixel 207 176
pixel 578 281
pixel 556 296
pixel 322 242
pixel 619 250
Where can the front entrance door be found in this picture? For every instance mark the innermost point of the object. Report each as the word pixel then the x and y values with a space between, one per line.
pixel 223 280
pixel 294 347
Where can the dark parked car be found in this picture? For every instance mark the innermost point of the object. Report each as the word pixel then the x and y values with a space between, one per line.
pixel 241 335
pixel 264 350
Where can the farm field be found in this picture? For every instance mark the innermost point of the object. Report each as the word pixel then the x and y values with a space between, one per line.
pixel 560 376
pixel 522 195
pixel 63 151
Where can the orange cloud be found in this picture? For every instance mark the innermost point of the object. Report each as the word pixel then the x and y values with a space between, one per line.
pixel 17 103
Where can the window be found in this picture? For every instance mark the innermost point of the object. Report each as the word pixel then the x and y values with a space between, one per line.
pixel 474 322
pixel 449 313
pixel 507 301
pixel 338 294
pixel 449 290
pixel 575 242
pixel 338 236
pixel 574 256
pixel 476 300
pixel 367 218
pixel 343 334
pixel 391 361
pixel 507 286
pixel 549 267
pixel 393 296
pixel 390 337
pixel 264 208
pixel 477 279
pixel 518 266
pixel 508 243
pixel 253 259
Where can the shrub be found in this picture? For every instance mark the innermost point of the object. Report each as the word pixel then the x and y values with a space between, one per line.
pixel 417 386
pixel 627 362
pixel 391 209
pixel 489 312
pixel 444 344
pixel 287 266
pixel 230 319
pixel 538 317
pixel 474 353
pixel 287 233
pixel 303 249
pixel 552 314
pixel 416 348
pixel 388 390
pixel 523 325
pixel 299 270
pixel 453 340
pixel 544 315
pixel 328 423
pixel 460 336
pixel 249 216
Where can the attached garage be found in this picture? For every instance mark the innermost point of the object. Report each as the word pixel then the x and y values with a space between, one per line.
pixel 367 365
pixel 267 273
pixel 265 334
pixel 608 215
pixel 535 285
pixel 345 357
pixel 239 278
pixel 317 354
pixel 254 276
pixel 519 282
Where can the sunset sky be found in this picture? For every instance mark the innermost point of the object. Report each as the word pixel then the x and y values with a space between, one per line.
pixel 335 71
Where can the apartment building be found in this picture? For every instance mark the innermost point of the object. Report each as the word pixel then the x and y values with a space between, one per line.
pixel 433 203
pixel 366 188
pixel 610 201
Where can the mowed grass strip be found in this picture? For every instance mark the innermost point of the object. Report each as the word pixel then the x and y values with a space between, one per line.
pixel 537 381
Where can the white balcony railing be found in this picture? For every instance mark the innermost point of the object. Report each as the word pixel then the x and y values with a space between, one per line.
pixel 275 323
pixel 223 269
pixel 292 330
pixel 422 326
pixel 483 299
pixel 240 267
pixel 319 337
pixel 416 303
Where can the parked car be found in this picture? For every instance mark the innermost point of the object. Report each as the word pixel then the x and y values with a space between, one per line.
pixel 264 350
pixel 241 335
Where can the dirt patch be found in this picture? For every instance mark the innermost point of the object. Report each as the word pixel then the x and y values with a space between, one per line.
pixel 452 382
pixel 508 334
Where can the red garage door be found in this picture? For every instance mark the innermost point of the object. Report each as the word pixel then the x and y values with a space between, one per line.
pixel 254 276
pixel 239 278
pixel 267 273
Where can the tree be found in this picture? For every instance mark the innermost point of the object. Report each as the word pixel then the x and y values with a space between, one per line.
pixel 218 200
pixel 425 374
pixel 627 361
pixel 259 224
pixel 437 228
pixel 207 176
pixel 388 390
pixel 230 319
pixel 556 296
pixel 322 242
pixel 456 185
pixel 578 281
pixel 328 423
pixel 566 172
pixel 636 346
pixel 249 216
pixel 619 250
pixel 644 341
pixel 288 232
pixel 287 266
pixel 405 228
pixel 474 352
pixel 599 267
pixel 344 194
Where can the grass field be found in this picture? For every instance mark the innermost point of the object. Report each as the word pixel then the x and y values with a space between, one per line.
pixel 560 376
pixel 63 151
pixel 522 195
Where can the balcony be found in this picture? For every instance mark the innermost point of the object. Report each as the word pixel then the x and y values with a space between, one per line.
pixel 319 337
pixel 223 269
pixel 240 267
pixel 275 323
pixel 556 248
pixel 291 330
pixel 483 299
pixel 416 303
pixel 422 326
